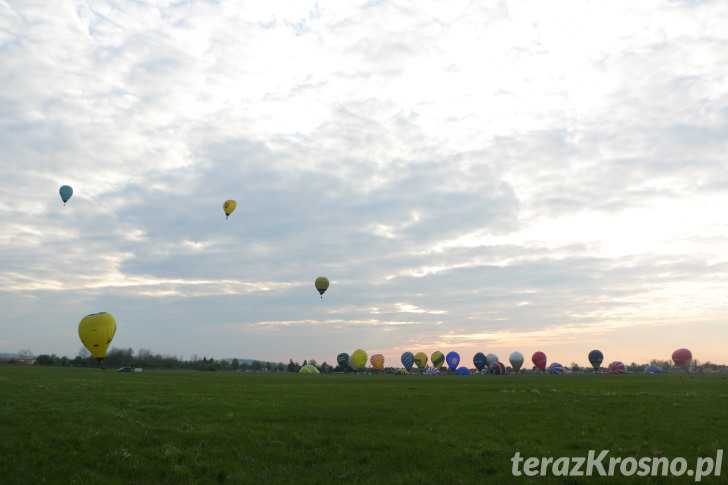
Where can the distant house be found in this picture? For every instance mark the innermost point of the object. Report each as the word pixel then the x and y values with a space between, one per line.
pixel 17 360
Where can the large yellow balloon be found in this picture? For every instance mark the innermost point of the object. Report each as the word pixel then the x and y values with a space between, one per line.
pixel 229 206
pixel 322 284
pixel 359 357
pixel 96 331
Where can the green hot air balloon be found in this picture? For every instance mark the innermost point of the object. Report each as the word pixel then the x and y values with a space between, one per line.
pixel 343 360
pixel 322 284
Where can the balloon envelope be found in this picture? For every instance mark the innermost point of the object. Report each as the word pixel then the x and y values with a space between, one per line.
pixel 653 369
pixel 516 359
pixel 437 358
pixel 432 371
pixel 616 367
pixel 453 359
pixel 497 368
pixel 407 360
pixel 377 361
pixel 402 372
pixel 308 369
pixel 682 358
pixel 556 368
pixel 462 371
pixel 479 361
pixel 421 361
pixel 66 192
pixel 322 284
pixel 360 358
pixel 229 206
pixel 596 358
pixel 343 360
pixel 539 360
pixel 491 359
pixel 96 331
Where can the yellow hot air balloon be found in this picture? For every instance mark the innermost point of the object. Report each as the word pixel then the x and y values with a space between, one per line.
pixel 96 331
pixel 359 357
pixel 322 284
pixel 229 206
pixel 421 361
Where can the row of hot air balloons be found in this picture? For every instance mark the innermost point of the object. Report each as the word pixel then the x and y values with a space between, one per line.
pixel 358 360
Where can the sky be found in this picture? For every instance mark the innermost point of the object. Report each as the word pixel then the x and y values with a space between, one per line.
pixel 470 176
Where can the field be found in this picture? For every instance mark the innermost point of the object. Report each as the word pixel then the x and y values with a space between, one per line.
pixel 73 425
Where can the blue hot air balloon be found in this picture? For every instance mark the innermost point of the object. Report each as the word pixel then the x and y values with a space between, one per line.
pixel 453 359
pixel 462 371
pixel 653 369
pixel 479 361
pixel 595 359
pixel 556 368
pixel 407 360
pixel 66 192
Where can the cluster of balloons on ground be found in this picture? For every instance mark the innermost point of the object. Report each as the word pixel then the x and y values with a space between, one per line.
pixel 357 361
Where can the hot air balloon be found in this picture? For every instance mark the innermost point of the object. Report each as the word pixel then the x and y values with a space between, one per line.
pixel 497 368
pixel 66 192
pixel 462 371
pixel 595 359
pixel 432 371
pixel 359 357
pixel 683 358
pixel 322 284
pixel 516 359
pixel 539 360
pixel 491 359
pixel 377 361
pixel 352 366
pixel 453 359
pixel 556 368
pixel 437 358
pixel 229 206
pixel 616 367
pixel 343 360
pixel 402 372
pixel 308 369
pixel 421 361
pixel 96 331
pixel 479 361
pixel 407 360
pixel 653 369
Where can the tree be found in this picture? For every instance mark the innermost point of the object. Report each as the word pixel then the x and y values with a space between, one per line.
pixel 25 353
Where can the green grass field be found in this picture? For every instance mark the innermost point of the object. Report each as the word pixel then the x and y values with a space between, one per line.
pixel 72 425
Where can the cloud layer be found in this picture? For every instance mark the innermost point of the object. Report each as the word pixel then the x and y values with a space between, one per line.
pixel 475 178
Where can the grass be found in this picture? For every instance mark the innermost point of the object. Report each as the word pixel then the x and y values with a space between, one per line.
pixel 72 425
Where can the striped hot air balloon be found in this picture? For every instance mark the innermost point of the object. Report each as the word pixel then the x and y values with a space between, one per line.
pixel 616 367
pixel 407 360
pixel 556 368
pixel 437 358
pixel 497 368
pixel 308 369
pixel 377 361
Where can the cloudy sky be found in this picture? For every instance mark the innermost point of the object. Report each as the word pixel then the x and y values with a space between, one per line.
pixel 471 176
